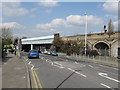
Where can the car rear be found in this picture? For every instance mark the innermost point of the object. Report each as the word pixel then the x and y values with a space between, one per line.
pixel 33 54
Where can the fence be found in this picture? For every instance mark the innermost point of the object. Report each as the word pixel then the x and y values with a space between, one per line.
pixel 103 56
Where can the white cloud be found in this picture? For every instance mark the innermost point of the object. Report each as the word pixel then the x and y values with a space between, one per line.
pixel 111 6
pixel 116 25
pixel 12 26
pixel 48 3
pixel 110 16
pixel 73 24
pixel 13 9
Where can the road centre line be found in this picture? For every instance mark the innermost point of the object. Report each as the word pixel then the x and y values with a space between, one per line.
pixel 29 62
pixel 76 72
pixel 71 69
pixel 76 63
pixel 81 74
pixel 106 86
pixel 56 65
pixel 90 66
pixel 26 59
pixel 93 67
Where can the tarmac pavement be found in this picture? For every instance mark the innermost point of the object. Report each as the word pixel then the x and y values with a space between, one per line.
pixel 14 73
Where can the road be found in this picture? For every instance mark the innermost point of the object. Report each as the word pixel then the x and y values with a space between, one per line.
pixel 60 72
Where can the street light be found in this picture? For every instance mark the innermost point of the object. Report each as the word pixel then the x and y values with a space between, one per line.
pixel 85 33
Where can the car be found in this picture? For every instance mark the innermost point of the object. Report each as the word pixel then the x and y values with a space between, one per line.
pixel 54 53
pixel 45 52
pixel 33 54
pixel 49 53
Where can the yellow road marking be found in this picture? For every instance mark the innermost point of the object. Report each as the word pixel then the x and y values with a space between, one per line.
pixel 34 80
pixel 39 83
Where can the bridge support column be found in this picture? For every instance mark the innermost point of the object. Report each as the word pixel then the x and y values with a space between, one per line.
pixel 31 46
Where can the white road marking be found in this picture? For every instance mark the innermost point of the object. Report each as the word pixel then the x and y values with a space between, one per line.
pixel 115 68
pixel 107 71
pixel 76 72
pixel 71 69
pixel 90 66
pixel 81 74
pixel 106 76
pixel 56 65
pixel 5 63
pixel 76 63
pixel 32 67
pixel 26 59
pixel 93 67
pixel 29 62
pixel 106 86
pixel 47 60
pixel 52 63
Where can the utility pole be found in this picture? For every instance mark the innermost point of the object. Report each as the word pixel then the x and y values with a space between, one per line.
pixel 85 33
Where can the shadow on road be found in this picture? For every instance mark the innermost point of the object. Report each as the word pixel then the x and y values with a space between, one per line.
pixel 64 81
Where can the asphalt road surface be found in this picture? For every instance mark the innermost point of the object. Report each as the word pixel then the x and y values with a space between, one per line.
pixel 60 72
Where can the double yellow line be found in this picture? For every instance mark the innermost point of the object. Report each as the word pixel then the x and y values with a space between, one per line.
pixel 37 82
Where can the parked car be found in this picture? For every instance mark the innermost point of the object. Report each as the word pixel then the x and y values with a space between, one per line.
pixel 54 53
pixel 45 52
pixel 33 54
pixel 49 53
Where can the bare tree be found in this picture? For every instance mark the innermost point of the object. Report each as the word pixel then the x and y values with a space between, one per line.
pixel 6 35
pixel 110 28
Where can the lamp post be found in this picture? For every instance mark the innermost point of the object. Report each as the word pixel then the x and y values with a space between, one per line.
pixel 85 33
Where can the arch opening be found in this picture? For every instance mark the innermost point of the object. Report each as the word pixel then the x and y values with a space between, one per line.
pixel 102 48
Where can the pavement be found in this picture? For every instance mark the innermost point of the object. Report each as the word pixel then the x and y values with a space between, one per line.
pixel 14 73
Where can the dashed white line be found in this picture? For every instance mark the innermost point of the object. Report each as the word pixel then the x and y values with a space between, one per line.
pixel 29 62
pixel 26 59
pixel 32 67
pixel 71 69
pixel 106 86
pixel 93 67
pixel 76 72
pixel 56 65
pixel 81 74
pixel 90 66
pixel 76 63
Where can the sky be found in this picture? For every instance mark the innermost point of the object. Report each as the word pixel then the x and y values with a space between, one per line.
pixel 36 19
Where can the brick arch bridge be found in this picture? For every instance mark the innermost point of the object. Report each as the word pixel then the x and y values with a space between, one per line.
pixel 99 41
